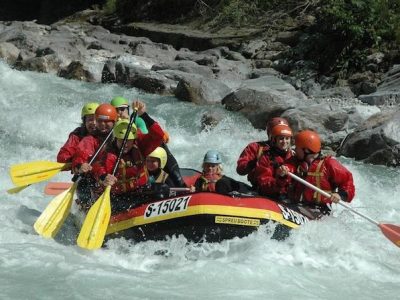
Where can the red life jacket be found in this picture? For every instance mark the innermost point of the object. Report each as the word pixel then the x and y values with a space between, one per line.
pixel 317 176
pixel 209 181
pixel 131 172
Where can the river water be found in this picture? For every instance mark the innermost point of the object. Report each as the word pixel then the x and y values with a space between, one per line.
pixel 341 257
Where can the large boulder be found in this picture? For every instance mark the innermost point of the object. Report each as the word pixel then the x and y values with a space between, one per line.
pixel 201 90
pixel 262 98
pixel 388 92
pixel 376 141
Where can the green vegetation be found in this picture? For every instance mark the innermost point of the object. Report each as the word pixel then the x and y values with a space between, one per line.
pixel 359 26
pixel 110 6
pixel 344 33
pixel 339 34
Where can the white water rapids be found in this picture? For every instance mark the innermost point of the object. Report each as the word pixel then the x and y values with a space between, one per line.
pixel 341 257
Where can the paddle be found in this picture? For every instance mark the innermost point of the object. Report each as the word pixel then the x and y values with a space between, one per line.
pixel 35 171
pixel 17 189
pixel 52 218
pixel 97 219
pixel 392 232
pixel 56 188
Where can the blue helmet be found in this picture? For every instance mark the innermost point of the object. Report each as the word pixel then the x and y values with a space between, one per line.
pixel 212 157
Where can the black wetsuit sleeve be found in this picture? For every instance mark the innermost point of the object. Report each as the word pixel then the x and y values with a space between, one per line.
pixel 224 185
pixel 172 168
pixel 169 182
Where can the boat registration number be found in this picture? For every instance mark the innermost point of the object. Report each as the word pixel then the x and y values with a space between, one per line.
pixel 292 216
pixel 165 207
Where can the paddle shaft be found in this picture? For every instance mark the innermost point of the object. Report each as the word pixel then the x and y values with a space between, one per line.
pixel 101 147
pixel 77 177
pixel 322 192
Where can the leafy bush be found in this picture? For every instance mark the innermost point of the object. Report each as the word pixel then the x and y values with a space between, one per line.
pixel 359 25
pixel 110 6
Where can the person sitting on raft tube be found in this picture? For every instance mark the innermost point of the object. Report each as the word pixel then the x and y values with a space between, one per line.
pixel 105 116
pixel 131 174
pixel 325 172
pixel 272 180
pixel 250 156
pixel 88 127
pixel 212 178
pixel 172 166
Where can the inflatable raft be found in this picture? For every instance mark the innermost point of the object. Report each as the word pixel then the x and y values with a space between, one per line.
pixel 202 216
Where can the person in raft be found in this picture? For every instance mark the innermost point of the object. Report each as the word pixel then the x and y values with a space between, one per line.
pixel 88 127
pixel 271 171
pixel 131 175
pixel 105 116
pixel 159 181
pixel 324 172
pixel 251 154
pixel 121 104
pixel 172 166
pixel 212 178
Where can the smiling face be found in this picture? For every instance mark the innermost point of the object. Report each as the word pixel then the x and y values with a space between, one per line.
pixel 152 163
pixel 210 168
pixel 90 123
pixel 283 142
pixel 104 126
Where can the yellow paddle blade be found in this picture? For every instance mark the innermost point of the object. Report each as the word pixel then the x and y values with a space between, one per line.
pixel 17 189
pixel 35 171
pixel 52 218
pixel 96 223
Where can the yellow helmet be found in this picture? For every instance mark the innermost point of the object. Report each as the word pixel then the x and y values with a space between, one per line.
pixel 120 128
pixel 89 109
pixel 161 154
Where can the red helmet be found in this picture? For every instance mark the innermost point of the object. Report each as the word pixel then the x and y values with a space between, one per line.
pixel 281 130
pixel 275 121
pixel 308 139
pixel 106 112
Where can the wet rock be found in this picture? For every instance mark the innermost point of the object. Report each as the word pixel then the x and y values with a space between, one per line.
pixel 377 140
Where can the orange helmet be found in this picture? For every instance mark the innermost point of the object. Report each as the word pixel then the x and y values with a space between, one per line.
pixel 276 121
pixel 166 137
pixel 281 130
pixel 308 139
pixel 106 112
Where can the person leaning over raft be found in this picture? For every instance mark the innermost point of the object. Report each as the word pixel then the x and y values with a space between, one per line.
pixel 131 174
pixel 250 156
pixel 325 172
pixel 271 181
pixel 212 178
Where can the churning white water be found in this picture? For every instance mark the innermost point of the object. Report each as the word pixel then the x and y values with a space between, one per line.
pixel 341 257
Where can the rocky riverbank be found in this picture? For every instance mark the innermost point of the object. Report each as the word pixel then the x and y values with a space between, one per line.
pixel 242 74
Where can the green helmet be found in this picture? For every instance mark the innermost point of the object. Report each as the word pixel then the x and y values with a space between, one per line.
pixel 120 128
pixel 119 102
pixel 139 122
pixel 161 154
pixel 89 109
